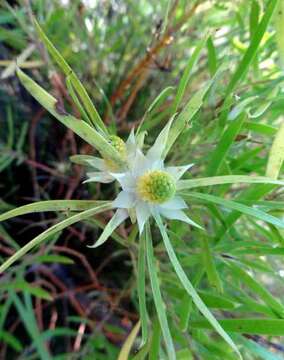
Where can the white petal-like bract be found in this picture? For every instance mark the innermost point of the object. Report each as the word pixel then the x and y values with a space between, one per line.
pixel 97 163
pixel 115 221
pixel 124 200
pixel 142 214
pixel 156 151
pixel 176 203
pixel 178 171
pixel 102 177
pixel 178 215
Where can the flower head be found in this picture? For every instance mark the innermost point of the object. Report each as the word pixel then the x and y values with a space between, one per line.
pixel 156 186
pixel 120 147
pixel 148 187
pixel 105 167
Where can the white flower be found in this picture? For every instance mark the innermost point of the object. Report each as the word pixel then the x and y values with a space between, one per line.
pixel 148 186
pixel 105 166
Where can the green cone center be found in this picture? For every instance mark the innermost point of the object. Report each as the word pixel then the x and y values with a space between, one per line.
pixel 156 186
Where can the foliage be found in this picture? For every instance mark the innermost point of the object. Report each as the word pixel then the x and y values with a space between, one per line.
pixel 219 296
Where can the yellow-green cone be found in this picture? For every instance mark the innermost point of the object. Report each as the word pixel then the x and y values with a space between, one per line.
pixel 120 147
pixel 156 187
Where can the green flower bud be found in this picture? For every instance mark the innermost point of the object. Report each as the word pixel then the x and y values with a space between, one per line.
pixel 120 147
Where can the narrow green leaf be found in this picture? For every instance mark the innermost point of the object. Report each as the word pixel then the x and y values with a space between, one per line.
pixel 59 331
pixel 11 340
pixel 212 57
pixel 241 107
pixel 160 98
pixel 226 141
pixel 184 311
pixel 159 304
pixel 190 110
pixel 126 347
pixel 74 97
pixel 27 316
pixel 262 129
pixel 279 29
pixel 217 301
pixel 80 127
pixel 5 236
pixel 239 207
pixel 22 285
pixel 247 155
pixel 155 342
pixel 190 289
pixel 58 259
pixel 260 250
pixel 52 205
pixel 186 115
pixel 90 108
pixel 143 351
pixel 276 154
pixel 252 49
pixel 259 350
pixel 187 73
pixel 51 231
pixel 145 123
pixel 254 285
pixel 212 274
pixel 254 17
pixel 273 327
pixel 166 17
pixel 142 290
pixel 252 194
pixel 227 179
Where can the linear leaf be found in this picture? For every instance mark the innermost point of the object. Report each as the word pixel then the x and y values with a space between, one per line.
pixel 187 73
pixel 258 128
pixel 212 57
pixel 159 304
pixel 224 144
pixel 212 274
pixel 51 231
pixel 186 115
pixel 90 108
pixel 228 179
pixel 59 259
pixel 276 154
pixel 27 316
pixel 126 347
pixel 21 285
pixel 216 301
pixel 80 127
pixel 252 49
pixel 145 123
pixel 253 194
pixel 11 340
pixel 52 205
pixel 141 289
pixel 190 289
pixel 155 341
pixel 259 350
pixel 274 327
pixel 261 215
pixel 254 285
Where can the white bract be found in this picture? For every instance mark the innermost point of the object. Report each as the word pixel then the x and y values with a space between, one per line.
pixel 148 186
